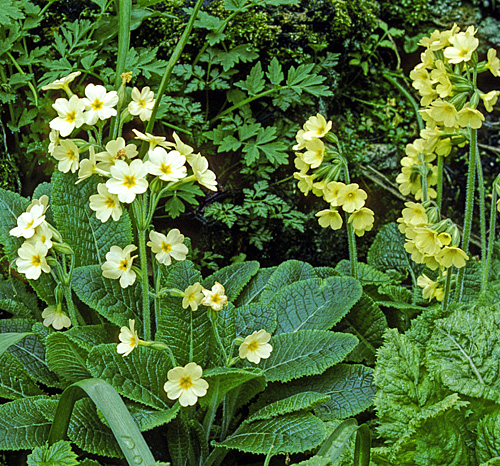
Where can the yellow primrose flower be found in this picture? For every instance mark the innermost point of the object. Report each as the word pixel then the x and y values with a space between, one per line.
pixel 416 255
pixel 168 247
pixel 128 338
pixel 362 220
pixel 299 163
pixel 464 44
pixel 215 298
pixel 316 127
pixel 153 140
pixel 420 77
pixel 68 155
pixel 62 83
pixel 451 255
pixel 329 218
pixel 256 347
pixel 142 103
pixel 444 112
pixel 331 192
pixel 415 214
pixel 470 117
pixel 128 180
pixel 70 115
pixel 182 148
pixel 430 289
pixel 186 384
pixel 314 153
pixel 493 63
pixel 489 99
pixel 203 175
pixel 105 204
pixel 32 260
pixel 99 103
pixel 28 221
pixel 116 149
pixel 118 265
pixel 305 183
pixel 351 197
pixel 427 240
pixel 428 93
pixel 193 296
pixel 55 316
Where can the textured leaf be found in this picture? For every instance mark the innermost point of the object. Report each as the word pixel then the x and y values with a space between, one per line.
pixel 140 376
pixel 89 238
pixel 22 425
pixel 14 380
pixel 45 287
pixel 226 328
pixel 16 299
pixel 254 288
pixel 290 433
pixel 285 274
pixel 58 454
pixel 233 278
pixel 308 352
pixel 107 297
pixel 254 317
pixel 178 442
pixel 366 274
pixel 174 322
pixel 488 437
pixel 89 336
pixel 12 205
pixel 9 339
pixel 461 352
pixel 299 402
pixel 66 358
pixel 148 418
pixel 368 323
pixel 314 303
pixel 226 378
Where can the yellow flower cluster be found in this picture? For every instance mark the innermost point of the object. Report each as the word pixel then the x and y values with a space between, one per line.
pixel 445 80
pixel 325 167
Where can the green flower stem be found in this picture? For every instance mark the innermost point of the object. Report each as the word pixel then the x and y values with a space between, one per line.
pixel 447 287
pixel 124 14
pixel 74 314
pixel 491 239
pixel 440 181
pixel 146 311
pixel 212 409
pixel 469 206
pixel 351 238
pixel 482 219
pixel 30 84
pixel 174 58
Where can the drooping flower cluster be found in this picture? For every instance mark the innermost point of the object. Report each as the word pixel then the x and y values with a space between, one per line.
pixel 325 164
pixel 446 81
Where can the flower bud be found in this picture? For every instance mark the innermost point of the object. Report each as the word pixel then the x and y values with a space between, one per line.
pixel 62 248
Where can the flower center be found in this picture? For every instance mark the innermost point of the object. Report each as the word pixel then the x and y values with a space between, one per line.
pixel 142 103
pixel 165 169
pixel 185 382
pixel 123 264
pixel 129 181
pixel 70 154
pixel 253 345
pixel 97 105
pixel 166 247
pixel 36 261
pixel 121 154
pixel 71 117
pixel 215 298
pixel 29 224
pixel 110 203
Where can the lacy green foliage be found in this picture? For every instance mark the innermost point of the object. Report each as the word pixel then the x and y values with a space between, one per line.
pixel 58 454
pixel 437 394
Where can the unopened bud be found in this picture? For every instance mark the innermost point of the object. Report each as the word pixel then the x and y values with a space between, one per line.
pixel 62 248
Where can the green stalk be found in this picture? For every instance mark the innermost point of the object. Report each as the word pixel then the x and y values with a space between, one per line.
pixel 174 58
pixel 146 312
pixel 124 13
pixel 30 84
pixel 447 287
pixel 469 206
pixel 482 219
pixel 351 238
pixel 440 181
pixel 491 239
pixel 212 409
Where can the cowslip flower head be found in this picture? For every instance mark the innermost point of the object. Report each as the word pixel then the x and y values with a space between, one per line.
pixel 28 221
pixel 168 247
pixel 351 197
pixel 55 316
pixel 464 44
pixel 99 103
pixel 128 338
pixel 70 115
pixel 142 103
pixel 203 175
pixel 116 149
pixel 192 296
pixel 32 260
pixel 118 265
pixel 105 204
pixel 62 83
pixel 186 384
pixel 316 127
pixel 415 214
pixel 168 166
pixel 68 155
pixel 256 347
pixel 214 298
pixel 361 220
pixel 128 180
pixel 329 218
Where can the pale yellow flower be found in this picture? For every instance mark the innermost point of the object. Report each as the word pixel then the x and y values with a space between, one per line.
pixel 305 183
pixel 153 140
pixel 351 197
pixel 62 83
pixel 128 338
pixel 464 44
pixel 489 99
pixel 316 127
pixel 68 155
pixel 329 218
pixel 256 347
pixel 32 260
pixel 493 63
pixel 142 103
pixel 128 180
pixel 186 384
pixel 118 265
pixel 116 149
pixel 168 247
pixel 55 316
pixel 450 255
pixel 331 192
pixel 105 204
pixel 70 115
pixel 415 214
pixel 193 296
pixel 203 175
pixel 28 221
pixel 214 298
pixel 431 288
pixel 444 112
pixel 362 220
pixel 99 103
pixel 470 117
pixel 314 153
pixel 168 166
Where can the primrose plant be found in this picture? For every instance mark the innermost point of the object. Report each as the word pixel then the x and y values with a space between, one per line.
pixel 244 360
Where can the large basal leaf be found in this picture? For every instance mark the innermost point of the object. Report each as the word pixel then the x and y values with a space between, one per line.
pixel 174 322
pixel 22 425
pixel 462 352
pixel 66 358
pixel 366 274
pixel 226 329
pixel 254 288
pixel 368 323
pixel 12 205
pixel 488 437
pixel 314 303
pixel 89 238
pixel 16 299
pixel 107 297
pixel 14 380
pixel 149 418
pixel 309 352
pixel 290 433
pixel 89 336
pixel 45 286
pixel 233 278
pixel 140 376
pixel 285 274
pixel 178 442
pixel 254 317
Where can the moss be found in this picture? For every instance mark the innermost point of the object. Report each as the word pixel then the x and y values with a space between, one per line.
pixel 404 12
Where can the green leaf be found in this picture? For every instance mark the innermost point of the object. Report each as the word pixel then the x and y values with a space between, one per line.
pixel 58 454
pixel 140 376
pixel 367 275
pixel 308 352
pixel 9 13
pixel 290 433
pixel 254 317
pixel 149 418
pixel 315 303
pixel 12 205
pixel 23 425
pixel 178 442
pixel 66 358
pixel 16 299
pixel 243 52
pixel 9 339
pixel 89 238
pixel 488 438
pixel 299 402
pixel 274 72
pixel 174 322
pixel 254 288
pixel 14 380
pixel 255 81
pixel 107 297
pixel 286 273
pixel 233 278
